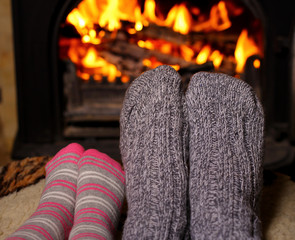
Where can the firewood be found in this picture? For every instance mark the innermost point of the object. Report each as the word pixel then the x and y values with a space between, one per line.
pixel 119 51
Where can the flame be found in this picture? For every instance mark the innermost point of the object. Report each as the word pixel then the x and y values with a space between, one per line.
pixel 179 19
pixel 256 63
pixel 109 16
pixel 138 19
pixel 125 79
pixel 219 14
pixel 218 20
pixel 146 44
pixel 76 19
pixel 187 53
pixel 91 60
pixel 182 21
pixel 150 10
pixel 166 48
pixel 94 20
pixel 203 54
pixel 245 48
pixel 96 65
pixel 153 63
pixel 216 57
pixel 112 15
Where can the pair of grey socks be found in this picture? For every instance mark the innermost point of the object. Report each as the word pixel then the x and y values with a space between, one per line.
pixel 193 161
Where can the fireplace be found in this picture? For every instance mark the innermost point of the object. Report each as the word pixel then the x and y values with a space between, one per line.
pixel 72 72
pixel 104 45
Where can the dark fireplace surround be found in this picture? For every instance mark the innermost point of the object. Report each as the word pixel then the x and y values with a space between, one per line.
pixel 40 87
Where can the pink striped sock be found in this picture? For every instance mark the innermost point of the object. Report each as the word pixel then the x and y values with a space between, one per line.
pixel 100 194
pixel 54 216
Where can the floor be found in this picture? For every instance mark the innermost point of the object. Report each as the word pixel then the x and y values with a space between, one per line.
pixel 8 115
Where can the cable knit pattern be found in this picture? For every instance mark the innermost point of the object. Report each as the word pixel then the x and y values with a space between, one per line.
pixel 225 150
pixel 152 128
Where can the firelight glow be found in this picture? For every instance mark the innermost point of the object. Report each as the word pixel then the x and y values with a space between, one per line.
pixel 93 19
pixel 256 63
pixel 203 55
pixel 181 18
pixel 245 48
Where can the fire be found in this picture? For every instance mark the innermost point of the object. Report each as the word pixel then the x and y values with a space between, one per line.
pixel 93 64
pixel 203 55
pixel 91 60
pixel 153 63
pixel 179 19
pixel 109 16
pixel 150 10
pixel 146 44
pixel 216 57
pixel 187 52
pixel 219 13
pixel 245 48
pixel 256 63
pixel 99 21
pixel 182 20
pixel 218 20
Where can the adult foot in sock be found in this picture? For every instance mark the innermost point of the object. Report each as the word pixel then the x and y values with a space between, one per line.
pixel 152 149
pixel 100 194
pixel 226 146
pixel 54 216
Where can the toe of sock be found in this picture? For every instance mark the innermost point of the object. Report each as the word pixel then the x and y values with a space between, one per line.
pixel 97 154
pixel 163 78
pixel 72 147
pixel 224 89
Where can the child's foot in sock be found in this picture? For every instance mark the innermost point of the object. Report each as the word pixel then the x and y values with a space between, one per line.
pixel 54 216
pixel 100 194
pixel 226 146
pixel 152 125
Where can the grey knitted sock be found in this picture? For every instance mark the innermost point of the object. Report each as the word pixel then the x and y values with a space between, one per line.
pixel 226 146
pixel 152 125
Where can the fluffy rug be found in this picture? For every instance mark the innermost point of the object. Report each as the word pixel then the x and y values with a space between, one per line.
pixel 22 184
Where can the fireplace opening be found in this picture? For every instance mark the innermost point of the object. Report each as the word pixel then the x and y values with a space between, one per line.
pixel 74 64
pixel 104 45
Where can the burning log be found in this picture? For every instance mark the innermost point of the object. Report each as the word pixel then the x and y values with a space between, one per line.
pixel 187 72
pixel 122 49
pixel 191 69
pixel 154 31
pixel 129 58
pixel 159 32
